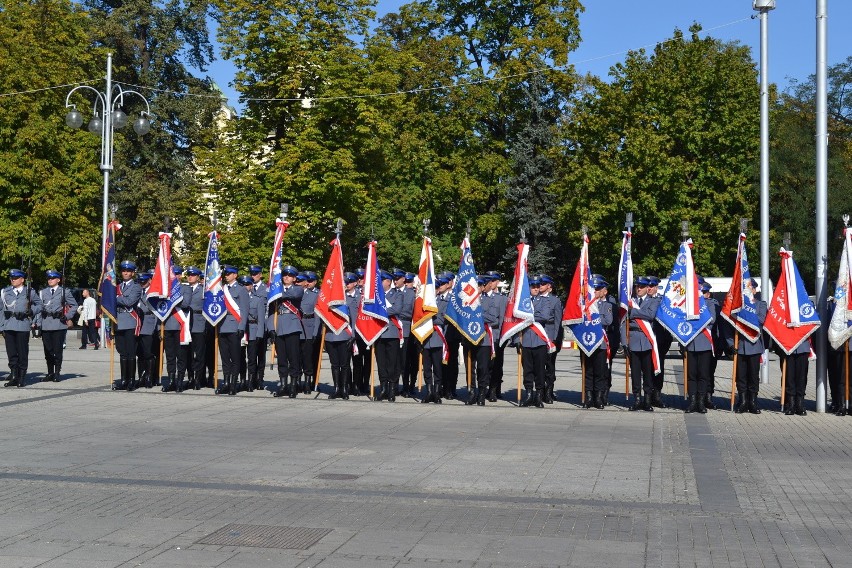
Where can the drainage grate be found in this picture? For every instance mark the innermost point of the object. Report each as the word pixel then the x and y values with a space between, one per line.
pixel 265 536
pixel 338 476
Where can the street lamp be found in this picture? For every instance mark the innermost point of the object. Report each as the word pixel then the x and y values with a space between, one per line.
pixel 764 7
pixel 107 117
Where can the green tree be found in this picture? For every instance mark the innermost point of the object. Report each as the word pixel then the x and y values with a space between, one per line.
pixel 673 136
pixel 48 176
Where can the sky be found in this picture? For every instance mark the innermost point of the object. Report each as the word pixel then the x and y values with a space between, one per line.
pixel 610 28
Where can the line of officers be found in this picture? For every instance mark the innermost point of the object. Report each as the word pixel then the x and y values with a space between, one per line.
pixel 292 326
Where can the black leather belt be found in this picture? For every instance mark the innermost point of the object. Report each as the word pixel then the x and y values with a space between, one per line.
pixel 308 316
pixel 198 311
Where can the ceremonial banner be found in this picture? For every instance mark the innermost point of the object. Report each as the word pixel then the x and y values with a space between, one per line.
pixel 331 301
pixel 840 327
pixel 276 285
pixel 214 297
pixel 107 287
pixel 791 316
pixel 165 292
pixel 683 311
pixel 372 312
pixel 625 277
pixel 519 311
pixel 740 307
pixel 464 310
pixel 581 312
pixel 426 302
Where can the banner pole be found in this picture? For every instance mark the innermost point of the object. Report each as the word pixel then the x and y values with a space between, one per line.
pixel 274 329
pixel 846 399
pixel 685 376
pixel 783 381
pixel 162 341
pixel 420 373
pixel 734 372
pixel 319 359
pixel 112 356
pixel 520 376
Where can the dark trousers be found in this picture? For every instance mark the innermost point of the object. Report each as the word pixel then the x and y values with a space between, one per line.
pixel 210 354
pixel 387 351
pixel 797 375
pixel 837 374
pixel 125 343
pixel 147 350
pixel 310 357
pixel 451 369
pixel 175 353
pixel 89 333
pixel 432 365
pixel 401 362
pixel 664 343
pixel 52 342
pixel 197 353
pixel 479 357
pixel 495 366
pixel 339 353
pixel 534 363
pixel 550 369
pixel 362 365
pixel 597 376
pixel 18 349
pixel 748 373
pixel 642 371
pixel 229 351
pixel 698 373
pixel 289 350
pixel 412 361
pixel 256 357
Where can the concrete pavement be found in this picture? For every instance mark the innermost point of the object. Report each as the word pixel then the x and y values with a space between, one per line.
pixel 95 478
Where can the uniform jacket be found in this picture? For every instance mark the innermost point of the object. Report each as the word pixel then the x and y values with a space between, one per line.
pixel 543 311
pixel 288 322
pixel 309 319
pixel 347 334
pixel 172 323
pixel 745 346
pixel 126 304
pixel 230 324
pixel 551 315
pixel 491 316
pixel 15 316
pixel 406 310
pixel 52 316
pixel 701 341
pixel 195 305
pixel 395 301
pixel 257 309
pixel 647 312
pixel 149 320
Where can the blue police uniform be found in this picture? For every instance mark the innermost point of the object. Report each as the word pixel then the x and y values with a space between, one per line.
pixel 127 326
pixel 58 307
pixel 21 305
pixel 231 332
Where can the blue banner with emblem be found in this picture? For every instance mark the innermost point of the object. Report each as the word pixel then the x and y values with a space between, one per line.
pixel 464 309
pixel 214 295
pixel 108 286
pixel 683 311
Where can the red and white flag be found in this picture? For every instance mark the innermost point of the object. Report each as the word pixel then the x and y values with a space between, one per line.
pixel 332 293
pixel 791 316
pixel 426 301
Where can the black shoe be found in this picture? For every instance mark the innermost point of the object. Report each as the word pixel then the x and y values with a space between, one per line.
pixel 657 399
pixel 841 408
pixel 751 401
pixel 599 399
pixel 788 409
pixel 472 396
pixel 589 402
pixel 800 406
pixel 529 399
pixel 701 408
pixel 481 400
pixel 647 405
pixel 294 387
pixel 742 407
pixel 436 393
pixel 82 347
pixel 637 402
pixel 708 401
pixel 538 401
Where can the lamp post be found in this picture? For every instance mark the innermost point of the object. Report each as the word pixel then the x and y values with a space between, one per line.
pixel 107 116
pixel 821 199
pixel 764 7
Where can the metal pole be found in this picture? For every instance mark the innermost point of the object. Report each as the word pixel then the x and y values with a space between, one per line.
pixel 764 165
pixel 821 256
pixel 106 149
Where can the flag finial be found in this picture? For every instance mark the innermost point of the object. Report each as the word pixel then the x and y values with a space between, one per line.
pixel 846 219
pixel 285 208
pixel 523 235
pixel 628 222
pixel 684 229
pixel 166 223
pixel 743 224
pixel 426 227
pixel 786 240
pixel 467 231
pixel 585 230
pixel 215 220
pixel 112 211
pixel 339 227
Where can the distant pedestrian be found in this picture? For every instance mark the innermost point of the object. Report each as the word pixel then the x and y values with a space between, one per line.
pixel 88 321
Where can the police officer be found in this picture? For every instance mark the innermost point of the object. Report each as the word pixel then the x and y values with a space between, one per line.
pixel 261 290
pixel 551 306
pixel 613 334
pixel 433 348
pixel 451 368
pixel 534 348
pixel 718 343
pixel 481 354
pixel 310 347
pixel 255 335
pixel 407 296
pixel 129 323
pixel 748 358
pixel 232 328
pixel 194 302
pixel 699 362
pixel 56 302
pixel 289 333
pixel 175 353
pixel 339 345
pixel 596 365
pixel 387 346
pixel 21 305
pixel 147 346
pixel 495 369
pixel 664 343
pixel 639 346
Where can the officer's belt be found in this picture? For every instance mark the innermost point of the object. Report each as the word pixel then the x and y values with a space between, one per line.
pixel 307 316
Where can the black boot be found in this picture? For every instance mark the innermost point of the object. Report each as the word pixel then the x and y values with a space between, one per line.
pixel 492 393
pixel 48 378
pixel 345 378
pixel 800 406
pixel 252 380
pixel 436 393
pixel 335 379
pixel 258 381
pixel 547 395
pixel 751 401
pixel 658 399
pixel 701 408
pixel 599 399
pixel 472 396
pixel 648 405
pixel 294 386
pixel 588 403
pixel 392 391
pixel 529 398
pixel 430 390
pixel 169 383
pixel 742 407
pixel 383 391
pixel 13 379
pixel 605 398
pixel 708 401
pixel 281 388
pixel 693 404
pixel 538 399
pixel 841 408
pixel 57 374
pixel 790 407
pixel 131 374
pixel 480 401
pixel 179 383
pixel 637 402
pixel 232 385
pixel 309 384
pixel 22 378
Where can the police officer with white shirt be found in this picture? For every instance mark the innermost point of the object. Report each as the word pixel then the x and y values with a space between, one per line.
pixel 21 305
pixel 256 335
pixel 260 290
pixel 147 348
pixel 289 333
pixel 127 327
pixel 232 329
pixel 194 290
pixel 311 323
pixel 56 302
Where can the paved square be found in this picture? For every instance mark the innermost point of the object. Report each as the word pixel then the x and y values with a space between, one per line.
pixel 95 478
